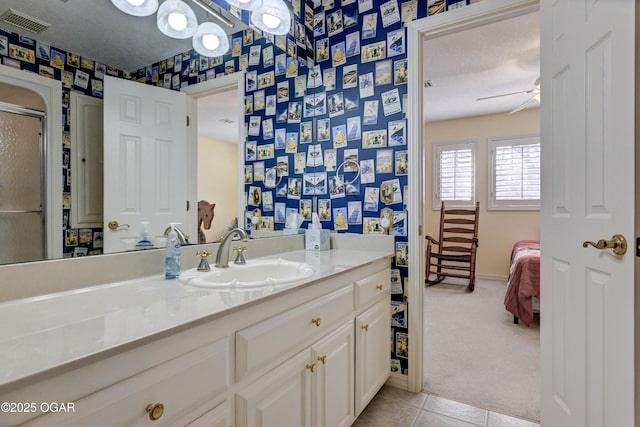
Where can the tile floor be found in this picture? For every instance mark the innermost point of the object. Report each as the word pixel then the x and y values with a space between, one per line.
pixel 393 407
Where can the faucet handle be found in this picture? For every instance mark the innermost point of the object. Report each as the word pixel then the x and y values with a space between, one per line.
pixel 204 264
pixel 240 250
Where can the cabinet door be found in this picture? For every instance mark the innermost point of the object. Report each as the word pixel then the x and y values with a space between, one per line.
pixel 217 417
pixel 372 352
pixel 280 398
pixel 333 382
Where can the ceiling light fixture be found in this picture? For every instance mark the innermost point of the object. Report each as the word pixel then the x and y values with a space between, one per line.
pixel 272 17
pixel 210 40
pixel 246 4
pixel 214 13
pixel 176 19
pixel 137 7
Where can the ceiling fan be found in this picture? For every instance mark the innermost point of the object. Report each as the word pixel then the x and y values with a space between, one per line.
pixel 535 96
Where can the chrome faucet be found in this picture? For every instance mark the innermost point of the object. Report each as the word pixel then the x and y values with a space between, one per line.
pixel 184 239
pixel 222 256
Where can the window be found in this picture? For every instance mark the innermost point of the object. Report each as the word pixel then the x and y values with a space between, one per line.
pixel 454 168
pixel 514 173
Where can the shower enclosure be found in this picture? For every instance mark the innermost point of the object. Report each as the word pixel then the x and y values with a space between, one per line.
pixel 22 232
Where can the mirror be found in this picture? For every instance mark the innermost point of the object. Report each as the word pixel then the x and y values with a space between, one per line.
pixel 57 53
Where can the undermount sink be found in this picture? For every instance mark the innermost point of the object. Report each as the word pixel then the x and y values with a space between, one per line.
pixel 254 273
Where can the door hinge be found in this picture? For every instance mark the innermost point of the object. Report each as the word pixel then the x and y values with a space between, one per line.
pixel 187 120
pixel 419 230
pixel 187 206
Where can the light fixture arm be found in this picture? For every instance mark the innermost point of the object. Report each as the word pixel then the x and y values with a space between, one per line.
pixel 214 13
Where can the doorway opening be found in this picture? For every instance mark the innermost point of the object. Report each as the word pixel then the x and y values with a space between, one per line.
pixel 425 215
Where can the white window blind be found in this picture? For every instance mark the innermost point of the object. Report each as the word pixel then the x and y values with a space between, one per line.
pixel 454 173
pixel 514 173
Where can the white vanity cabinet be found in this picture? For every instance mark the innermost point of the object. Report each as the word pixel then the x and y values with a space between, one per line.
pixel 329 382
pixel 311 356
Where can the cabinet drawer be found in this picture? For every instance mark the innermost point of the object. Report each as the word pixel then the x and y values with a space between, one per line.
pixel 181 385
pixel 371 288
pixel 266 341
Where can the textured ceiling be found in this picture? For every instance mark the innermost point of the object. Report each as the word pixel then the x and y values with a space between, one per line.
pixel 98 30
pixel 498 58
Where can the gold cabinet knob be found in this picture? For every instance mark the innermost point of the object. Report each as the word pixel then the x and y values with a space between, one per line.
pixel 316 321
pixel 379 287
pixel 311 367
pixel 323 359
pixel 365 327
pixel 155 411
pixel 618 243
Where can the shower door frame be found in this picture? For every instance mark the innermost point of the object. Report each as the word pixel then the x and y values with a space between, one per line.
pixel 51 92
pixel 42 116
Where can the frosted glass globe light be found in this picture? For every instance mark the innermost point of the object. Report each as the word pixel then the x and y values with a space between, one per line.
pixel 177 21
pixel 246 4
pixel 210 41
pixel 271 21
pixel 272 17
pixel 136 7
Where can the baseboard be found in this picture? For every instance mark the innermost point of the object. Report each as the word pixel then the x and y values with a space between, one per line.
pixel 492 277
pixel 398 381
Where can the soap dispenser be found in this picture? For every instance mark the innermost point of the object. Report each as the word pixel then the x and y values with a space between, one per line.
pixel 172 257
pixel 144 241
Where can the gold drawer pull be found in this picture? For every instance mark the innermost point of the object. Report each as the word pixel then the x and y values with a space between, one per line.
pixel 379 287
pixel 316 321
pixel 323 359
pixel 311 367
pixel 365 327
pixel 155 411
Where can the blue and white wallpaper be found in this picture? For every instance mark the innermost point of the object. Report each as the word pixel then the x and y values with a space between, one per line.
pixel 325 116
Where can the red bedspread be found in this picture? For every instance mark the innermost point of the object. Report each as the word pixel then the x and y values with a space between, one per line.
pixel 524 279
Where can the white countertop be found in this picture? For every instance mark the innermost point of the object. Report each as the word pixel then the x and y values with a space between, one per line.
pixel 49 331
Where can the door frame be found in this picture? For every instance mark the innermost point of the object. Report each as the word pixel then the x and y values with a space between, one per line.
pixel 51 92
pixel 456 20
pixel 200 90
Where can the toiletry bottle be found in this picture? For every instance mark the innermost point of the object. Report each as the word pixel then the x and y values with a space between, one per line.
pixel 172 257
pixel 144 241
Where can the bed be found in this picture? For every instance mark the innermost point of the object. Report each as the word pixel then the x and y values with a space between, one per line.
pixel 523 288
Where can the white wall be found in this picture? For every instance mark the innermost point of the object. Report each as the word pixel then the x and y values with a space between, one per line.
pixel 498 230
pixel 218 183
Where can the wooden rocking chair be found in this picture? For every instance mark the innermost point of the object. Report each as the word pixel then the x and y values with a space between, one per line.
pixel 454 253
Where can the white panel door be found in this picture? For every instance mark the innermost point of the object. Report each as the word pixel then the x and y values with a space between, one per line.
pixel 145 161
pixel 333 380
pixel 587 295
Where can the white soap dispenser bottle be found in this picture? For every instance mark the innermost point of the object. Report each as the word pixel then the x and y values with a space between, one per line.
pixel 144 241
pixel 172 257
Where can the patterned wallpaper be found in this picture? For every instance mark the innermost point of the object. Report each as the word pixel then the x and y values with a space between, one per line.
pixel 326 122
pixel 78 74
pixel 325 116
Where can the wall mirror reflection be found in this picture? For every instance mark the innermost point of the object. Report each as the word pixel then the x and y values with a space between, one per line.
pixel 54 91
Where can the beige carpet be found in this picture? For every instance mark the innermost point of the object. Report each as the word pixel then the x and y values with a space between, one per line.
pixel 475 354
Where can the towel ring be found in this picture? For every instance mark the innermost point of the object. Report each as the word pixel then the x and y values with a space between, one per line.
pixel 277 168
pixel 353 162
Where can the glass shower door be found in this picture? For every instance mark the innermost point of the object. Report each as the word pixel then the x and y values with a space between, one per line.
pixel 21 195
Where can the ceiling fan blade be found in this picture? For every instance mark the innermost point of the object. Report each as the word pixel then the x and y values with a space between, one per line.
pixel 504 94
pixel 522 106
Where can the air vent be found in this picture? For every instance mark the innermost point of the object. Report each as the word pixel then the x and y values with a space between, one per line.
pixel 24 21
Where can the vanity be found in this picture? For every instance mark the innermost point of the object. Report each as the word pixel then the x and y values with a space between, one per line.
pixel 150 351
